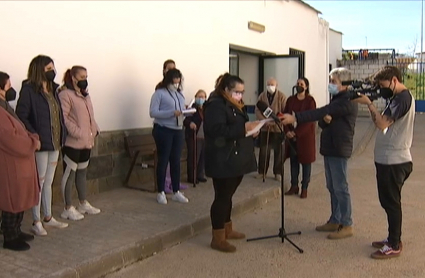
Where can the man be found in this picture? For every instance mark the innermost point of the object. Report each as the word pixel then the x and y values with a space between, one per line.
pixel 270 133
pixel 337 120
pixel 393 160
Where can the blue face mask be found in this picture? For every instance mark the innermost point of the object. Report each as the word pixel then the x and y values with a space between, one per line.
pixel 333 89
pixel 199 101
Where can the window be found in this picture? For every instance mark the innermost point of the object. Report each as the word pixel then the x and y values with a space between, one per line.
pixel 233 64
pixel 301 65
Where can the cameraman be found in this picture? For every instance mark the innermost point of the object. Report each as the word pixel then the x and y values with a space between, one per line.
pixel 337 120
pixel 393 160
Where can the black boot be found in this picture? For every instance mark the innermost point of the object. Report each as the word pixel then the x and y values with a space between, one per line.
pixel 16 245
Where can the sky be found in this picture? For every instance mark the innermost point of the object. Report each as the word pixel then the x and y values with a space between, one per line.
pixel 374 24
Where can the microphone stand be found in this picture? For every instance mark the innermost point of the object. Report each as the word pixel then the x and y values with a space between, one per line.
pixel 282 232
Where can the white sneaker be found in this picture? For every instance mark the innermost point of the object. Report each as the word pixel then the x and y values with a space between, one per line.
pixel 87 208
pixel 55 224
pixel 179 197
pixel 278 177
pixel 38 229
pixel 71 214
pixel 161 198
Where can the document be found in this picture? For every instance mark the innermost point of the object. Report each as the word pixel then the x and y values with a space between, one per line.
pixel 258 127
pixel 189 111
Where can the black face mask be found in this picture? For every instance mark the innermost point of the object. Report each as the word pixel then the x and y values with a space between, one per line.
pixel 299 89
pixel 10 94
pixel 82 84
pixel 50 75
pixel 386 92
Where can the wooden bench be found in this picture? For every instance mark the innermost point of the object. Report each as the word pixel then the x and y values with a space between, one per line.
pixel 140 147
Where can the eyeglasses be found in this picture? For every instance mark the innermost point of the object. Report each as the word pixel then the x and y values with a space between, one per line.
pixel 239 92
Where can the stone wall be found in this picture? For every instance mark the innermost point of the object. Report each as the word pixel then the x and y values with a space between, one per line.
pixel 362 69
pixel 109 165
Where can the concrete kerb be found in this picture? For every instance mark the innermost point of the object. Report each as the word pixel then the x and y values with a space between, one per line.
pixel 131 253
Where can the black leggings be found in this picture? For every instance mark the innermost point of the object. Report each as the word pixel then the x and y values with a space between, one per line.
pixel 221 208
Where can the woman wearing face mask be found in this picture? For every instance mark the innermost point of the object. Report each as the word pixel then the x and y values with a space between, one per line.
pixel 167 104
pixel 40 110
pixel 230 154
pixel 194 124
pixel 301 143
pixel 82 131
pixel 19 188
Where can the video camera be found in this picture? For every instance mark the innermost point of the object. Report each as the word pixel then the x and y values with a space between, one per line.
pixel 367 88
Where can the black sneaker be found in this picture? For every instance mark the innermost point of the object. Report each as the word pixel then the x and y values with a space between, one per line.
pixel 16 245
pixel 25 237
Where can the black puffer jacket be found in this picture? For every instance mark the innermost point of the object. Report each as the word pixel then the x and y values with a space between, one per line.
pixel 33 110
pixel 337 137
pixel 228 153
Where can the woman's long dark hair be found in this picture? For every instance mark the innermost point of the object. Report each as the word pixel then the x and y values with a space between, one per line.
pixel 307 83
pixel 168 79
pixel 227 81
pixel 36 74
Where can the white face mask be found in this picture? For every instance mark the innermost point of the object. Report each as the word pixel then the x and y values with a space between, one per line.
pixel 237 96
pixel 176 86
pixel 271 89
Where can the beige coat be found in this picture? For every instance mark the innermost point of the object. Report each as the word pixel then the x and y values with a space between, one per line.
pixel 79 120
pixel 19 189
pixel 278 105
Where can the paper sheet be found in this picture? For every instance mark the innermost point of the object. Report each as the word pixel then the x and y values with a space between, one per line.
pixel 258 127
pixel 189 111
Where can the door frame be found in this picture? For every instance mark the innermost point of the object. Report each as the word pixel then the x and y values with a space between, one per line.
pixel 261 80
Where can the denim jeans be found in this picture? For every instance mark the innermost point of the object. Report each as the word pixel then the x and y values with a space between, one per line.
pixel 169 145
pixel 295 170
pixel 336 182
pixel 46 166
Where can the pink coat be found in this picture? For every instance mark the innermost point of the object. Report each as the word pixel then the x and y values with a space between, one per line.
pixel 19 189
pixel 79 120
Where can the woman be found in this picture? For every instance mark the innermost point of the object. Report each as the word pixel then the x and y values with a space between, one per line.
pixel 168 64
pixel 19 188
pixel 40 110
pixel 166 108
pixel 82 131
pixel 301 143
pixel 194 126
pixel 230 154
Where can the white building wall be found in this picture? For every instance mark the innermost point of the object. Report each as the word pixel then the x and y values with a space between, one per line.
pixel 335 47
pixel 123 45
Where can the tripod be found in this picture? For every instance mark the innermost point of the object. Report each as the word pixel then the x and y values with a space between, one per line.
pixel 282 232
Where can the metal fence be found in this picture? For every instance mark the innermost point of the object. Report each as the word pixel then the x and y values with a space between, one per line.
pixel 413 76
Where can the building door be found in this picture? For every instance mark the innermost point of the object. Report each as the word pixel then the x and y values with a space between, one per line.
pixel 285 68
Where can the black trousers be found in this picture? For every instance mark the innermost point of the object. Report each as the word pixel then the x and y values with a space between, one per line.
pixel 275 144
pixel 200 158
pixel 11 225
pixel 390 180
pixel 221 208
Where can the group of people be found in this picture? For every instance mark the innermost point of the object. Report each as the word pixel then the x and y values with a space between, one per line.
pixel 231 153
pixel 50 119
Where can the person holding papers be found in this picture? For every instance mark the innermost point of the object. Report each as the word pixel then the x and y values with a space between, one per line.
pixel 229 152
pixel 166 108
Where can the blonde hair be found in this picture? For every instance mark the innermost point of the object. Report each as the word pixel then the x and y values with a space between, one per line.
pixel 200 92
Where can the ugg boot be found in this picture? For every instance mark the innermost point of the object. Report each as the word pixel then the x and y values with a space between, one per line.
pixel 219 242
pixel 230 233
pixel 293 190
pixel 303 194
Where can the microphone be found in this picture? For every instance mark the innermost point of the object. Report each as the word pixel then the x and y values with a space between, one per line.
pixel 267 111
